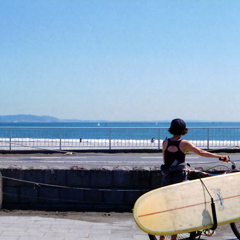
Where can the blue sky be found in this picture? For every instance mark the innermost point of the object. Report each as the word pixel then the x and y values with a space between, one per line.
pixel 121 60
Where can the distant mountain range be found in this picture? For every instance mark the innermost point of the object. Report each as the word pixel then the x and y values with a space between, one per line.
pixel 27 118
pixel 35 118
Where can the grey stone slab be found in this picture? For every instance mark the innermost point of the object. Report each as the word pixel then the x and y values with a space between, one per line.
pixel 104 207
pixel 42 238
pixel 63 206
pixel 85 206
pixel 62 229
pixel 141 178
pixel 86 229
pixel 19 225
pixel 62 226
pixel 101 179
pixel 114 196
pixel 38 229
pixel 122 238
pixel 132 196
pixel 78 178
pixel 122 179
pixel 50 235
pixel 12 173
pixel 125 207
pixel 33 176
pixel 71 195
pixel 22 234
pixel 93 196
pixel 140 237
pixel 102 235
pixel 11 219
pixel 10 238
pixel 16 228
pixel 155 180
pixel 55 177
pixel 48 195
pixel 41 206
pixel 29 195
pixel 94 238
pixel 11 195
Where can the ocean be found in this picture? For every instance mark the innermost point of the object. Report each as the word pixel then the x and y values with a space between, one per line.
pixel 100 130
pixel 160 124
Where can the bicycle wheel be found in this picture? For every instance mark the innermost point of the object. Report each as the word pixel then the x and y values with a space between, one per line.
pixel 236 228
pixel 183 236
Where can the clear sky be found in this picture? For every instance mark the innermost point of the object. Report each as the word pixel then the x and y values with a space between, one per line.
pixel 116 60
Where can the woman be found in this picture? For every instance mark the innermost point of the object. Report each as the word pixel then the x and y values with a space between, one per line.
pixel 174 151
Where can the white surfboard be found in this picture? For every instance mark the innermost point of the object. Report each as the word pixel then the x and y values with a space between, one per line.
pixel 186 207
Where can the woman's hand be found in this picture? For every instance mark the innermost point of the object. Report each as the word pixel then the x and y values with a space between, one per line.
pixel 224 158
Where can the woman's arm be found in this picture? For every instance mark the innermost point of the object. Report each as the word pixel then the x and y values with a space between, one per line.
pixel 188 145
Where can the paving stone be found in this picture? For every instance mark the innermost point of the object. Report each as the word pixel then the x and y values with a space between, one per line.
pixel 10 238
pixel 33 228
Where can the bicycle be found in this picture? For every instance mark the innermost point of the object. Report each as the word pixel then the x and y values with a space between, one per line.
pixel 197 174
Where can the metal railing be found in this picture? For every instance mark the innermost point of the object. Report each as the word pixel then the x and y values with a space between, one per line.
pixel 80 138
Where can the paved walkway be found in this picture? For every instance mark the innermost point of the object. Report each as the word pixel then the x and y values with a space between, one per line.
pixel 104 227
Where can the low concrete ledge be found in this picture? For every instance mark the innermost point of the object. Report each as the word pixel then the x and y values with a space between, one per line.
pixel 82 188
pixel 102 189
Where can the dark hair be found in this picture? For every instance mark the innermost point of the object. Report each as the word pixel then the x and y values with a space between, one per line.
pixel 178 127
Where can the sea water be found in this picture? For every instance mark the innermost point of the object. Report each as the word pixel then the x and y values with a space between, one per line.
pixel 119 130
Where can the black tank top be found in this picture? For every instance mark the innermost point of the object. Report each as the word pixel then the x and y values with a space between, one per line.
pixel 170 157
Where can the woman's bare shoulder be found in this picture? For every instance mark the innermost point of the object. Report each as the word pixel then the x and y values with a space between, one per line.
pixel 185 142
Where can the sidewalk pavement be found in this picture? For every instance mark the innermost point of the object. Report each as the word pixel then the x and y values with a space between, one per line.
pixel 99 226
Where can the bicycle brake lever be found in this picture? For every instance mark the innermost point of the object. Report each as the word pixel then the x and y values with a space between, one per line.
pixel 233 164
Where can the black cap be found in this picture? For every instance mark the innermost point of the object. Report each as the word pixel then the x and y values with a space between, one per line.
pixel 178 125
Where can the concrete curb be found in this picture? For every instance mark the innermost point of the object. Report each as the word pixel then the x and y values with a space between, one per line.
pixel 83 190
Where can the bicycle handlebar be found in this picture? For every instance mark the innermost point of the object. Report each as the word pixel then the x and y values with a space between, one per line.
pixel 233 164
pixel 195 174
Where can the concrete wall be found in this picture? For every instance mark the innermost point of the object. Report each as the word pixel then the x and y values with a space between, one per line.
pixel 93 197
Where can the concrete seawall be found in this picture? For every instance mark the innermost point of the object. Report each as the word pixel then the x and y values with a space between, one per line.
pixel 76 189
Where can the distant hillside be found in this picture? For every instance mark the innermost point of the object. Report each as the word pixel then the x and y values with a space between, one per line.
pixel 27 118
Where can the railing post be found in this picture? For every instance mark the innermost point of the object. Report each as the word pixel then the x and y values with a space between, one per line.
pixel 159 139
pixel 60 139
pixel 1 190
pixel 208 138
pixel 10 139
pixel 110 139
